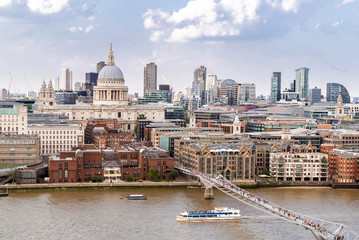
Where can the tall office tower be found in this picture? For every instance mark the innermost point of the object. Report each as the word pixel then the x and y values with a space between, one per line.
pixel 90 82
pixel 315 95
pixel 292 86
pixel 333 93
pixel 275 87
pixel 211 88
pixel 211 81
pixel 66 79
pixel 77 86
pixel 199 83
pixel 227 91
pixel 246 92
pixel 57 84
pixel 3 94
pixel 100 65
pixel 301 82
pixel 150 77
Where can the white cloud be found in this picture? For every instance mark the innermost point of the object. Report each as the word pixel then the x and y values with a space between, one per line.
pixel 337 23
pixel 80 29
pixel 348 1
pixel 47 6
pixel 156 35
pixel 89 28
pixel 317 26
pixel 287 5
pixel 153 17
pixel 4 3
pixel 201 18
pixel 85 7
pixel 241 10
pixel 91 18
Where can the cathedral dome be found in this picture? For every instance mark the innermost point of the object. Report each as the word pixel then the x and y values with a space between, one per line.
pixel 110 72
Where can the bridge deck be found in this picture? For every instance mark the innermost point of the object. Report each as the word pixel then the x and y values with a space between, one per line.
pixel 322 229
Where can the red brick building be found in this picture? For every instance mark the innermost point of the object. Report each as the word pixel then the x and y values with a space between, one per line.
pixel 344 165
pixel 82 163
pixel 136 161
pixel 109 125
pixel 78 165
pixel 112 140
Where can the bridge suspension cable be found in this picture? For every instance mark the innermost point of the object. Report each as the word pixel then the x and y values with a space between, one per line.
pixel 321 229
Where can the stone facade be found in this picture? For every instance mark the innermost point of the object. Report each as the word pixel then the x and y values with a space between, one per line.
pixel 299 166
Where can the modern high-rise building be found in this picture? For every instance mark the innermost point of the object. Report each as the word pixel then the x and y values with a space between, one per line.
pixel 66 79
pixel 150 77
pixel 315 95
pixel 100 65
pixel 333 93
pixel 57 84
pixel 228 92
pixel 77 86
pixel 199 83
pixel 90 82
pixel 3 94
pixel 275 87
pixel 292 86
pixel 301 82
pixel 246 92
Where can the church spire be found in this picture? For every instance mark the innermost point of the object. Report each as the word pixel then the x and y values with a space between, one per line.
pixel 111 59
pixel 340 98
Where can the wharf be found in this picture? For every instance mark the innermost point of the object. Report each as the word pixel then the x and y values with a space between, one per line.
pixel 99 185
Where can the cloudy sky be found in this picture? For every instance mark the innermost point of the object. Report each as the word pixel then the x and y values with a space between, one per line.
pixel 245 40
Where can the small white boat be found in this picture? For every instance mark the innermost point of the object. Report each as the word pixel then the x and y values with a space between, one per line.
pixel 218 214
pixel 137 197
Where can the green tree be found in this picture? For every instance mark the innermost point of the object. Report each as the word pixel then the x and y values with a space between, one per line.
pixel 129 103
pixel 152 174
pixel 96 179
pixel 265 172
pixel 29 107
pixel 129 178
pixel 141 116
pixel 174 173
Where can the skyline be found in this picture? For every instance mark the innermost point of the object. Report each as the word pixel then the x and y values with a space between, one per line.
pixel 231 40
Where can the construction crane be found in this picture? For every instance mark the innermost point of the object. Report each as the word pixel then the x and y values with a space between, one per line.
pixel 8 90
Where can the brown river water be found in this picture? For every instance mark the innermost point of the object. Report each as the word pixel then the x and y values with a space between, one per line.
pixel 102 214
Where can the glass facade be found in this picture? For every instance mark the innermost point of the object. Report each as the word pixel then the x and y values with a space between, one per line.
pixel 276 87
pixel 155 96
pixel 333 93
pixel 301 82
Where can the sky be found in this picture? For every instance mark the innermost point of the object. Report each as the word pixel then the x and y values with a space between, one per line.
pixel 245 40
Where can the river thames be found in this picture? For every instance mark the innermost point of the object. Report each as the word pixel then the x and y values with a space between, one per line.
pixel 102 214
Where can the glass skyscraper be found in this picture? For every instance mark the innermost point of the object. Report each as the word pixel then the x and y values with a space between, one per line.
pixel 333 93
pixel 276 87
pixel 301 82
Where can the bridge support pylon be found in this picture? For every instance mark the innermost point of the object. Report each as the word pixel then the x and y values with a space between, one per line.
pixel 208 193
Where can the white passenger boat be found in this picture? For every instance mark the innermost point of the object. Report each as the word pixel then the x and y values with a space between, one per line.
pixel 218 214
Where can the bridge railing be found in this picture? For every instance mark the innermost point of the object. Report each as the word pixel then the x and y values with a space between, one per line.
pixel 326 229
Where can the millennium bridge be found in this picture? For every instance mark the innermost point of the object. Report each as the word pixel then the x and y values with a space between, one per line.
pixel 320 228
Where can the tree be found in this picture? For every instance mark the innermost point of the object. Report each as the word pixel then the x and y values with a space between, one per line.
pixel 141 116
pixel 174 173
pixel 265 172
pixel 129 103
pixel 129 178
pixel 152 174
pixel 96 179
pixel 29 107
